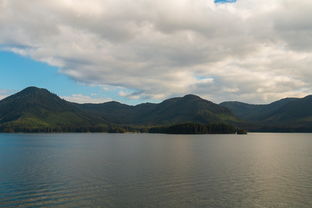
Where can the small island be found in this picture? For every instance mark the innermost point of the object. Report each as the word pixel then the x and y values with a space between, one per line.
pixel 241 131
pixel 195 128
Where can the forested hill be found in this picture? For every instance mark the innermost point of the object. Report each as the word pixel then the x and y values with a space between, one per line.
pixel 35 109
pixel 289 114
pixel 189 108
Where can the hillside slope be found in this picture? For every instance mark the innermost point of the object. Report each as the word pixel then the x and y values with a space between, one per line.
pixel 290 114
pixel 34 108
pixel 189 108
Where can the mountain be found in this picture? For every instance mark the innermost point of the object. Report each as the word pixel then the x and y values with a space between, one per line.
pixel 250 112
pixel 35 108
pixel 289 114
pixel 38 109
pixel 189 108
pixel 297 112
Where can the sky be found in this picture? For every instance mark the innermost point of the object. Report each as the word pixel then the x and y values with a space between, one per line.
pixel 137 51
pixel 225 1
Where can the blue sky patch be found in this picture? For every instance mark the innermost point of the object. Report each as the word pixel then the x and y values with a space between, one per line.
pixel 224 1
pixel 18 72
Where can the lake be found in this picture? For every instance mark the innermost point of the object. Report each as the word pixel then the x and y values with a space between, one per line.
pixel 151 170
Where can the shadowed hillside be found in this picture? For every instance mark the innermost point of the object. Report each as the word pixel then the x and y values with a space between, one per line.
pixel 35 109
pixel 189 108
pixel 290 114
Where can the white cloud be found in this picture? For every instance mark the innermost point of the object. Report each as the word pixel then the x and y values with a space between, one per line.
pixel 256 51
pixel 5 93
pixel 79 98
pixel 2 96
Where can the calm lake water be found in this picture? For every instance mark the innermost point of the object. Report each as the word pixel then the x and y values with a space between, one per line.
pixel 147 170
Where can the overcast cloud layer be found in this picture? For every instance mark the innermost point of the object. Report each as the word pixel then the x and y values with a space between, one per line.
pixel 255 51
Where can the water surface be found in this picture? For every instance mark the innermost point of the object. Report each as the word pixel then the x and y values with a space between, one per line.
pixel 149 170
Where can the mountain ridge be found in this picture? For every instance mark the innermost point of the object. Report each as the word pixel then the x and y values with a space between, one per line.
pixel 287 113
pixel 38 108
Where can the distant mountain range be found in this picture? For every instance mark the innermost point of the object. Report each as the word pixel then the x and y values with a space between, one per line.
pixel 189 108
pixel 34 109
pixel 289 114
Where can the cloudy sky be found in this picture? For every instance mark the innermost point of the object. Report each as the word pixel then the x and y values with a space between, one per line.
pixel 145 50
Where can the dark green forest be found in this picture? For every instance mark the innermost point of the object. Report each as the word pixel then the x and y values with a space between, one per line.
pixel 195 128
pixel 38 110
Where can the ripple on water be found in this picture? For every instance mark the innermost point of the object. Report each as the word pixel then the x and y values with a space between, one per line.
pixel 101 170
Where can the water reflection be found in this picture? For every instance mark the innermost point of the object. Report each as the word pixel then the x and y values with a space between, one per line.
pixel 143 170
